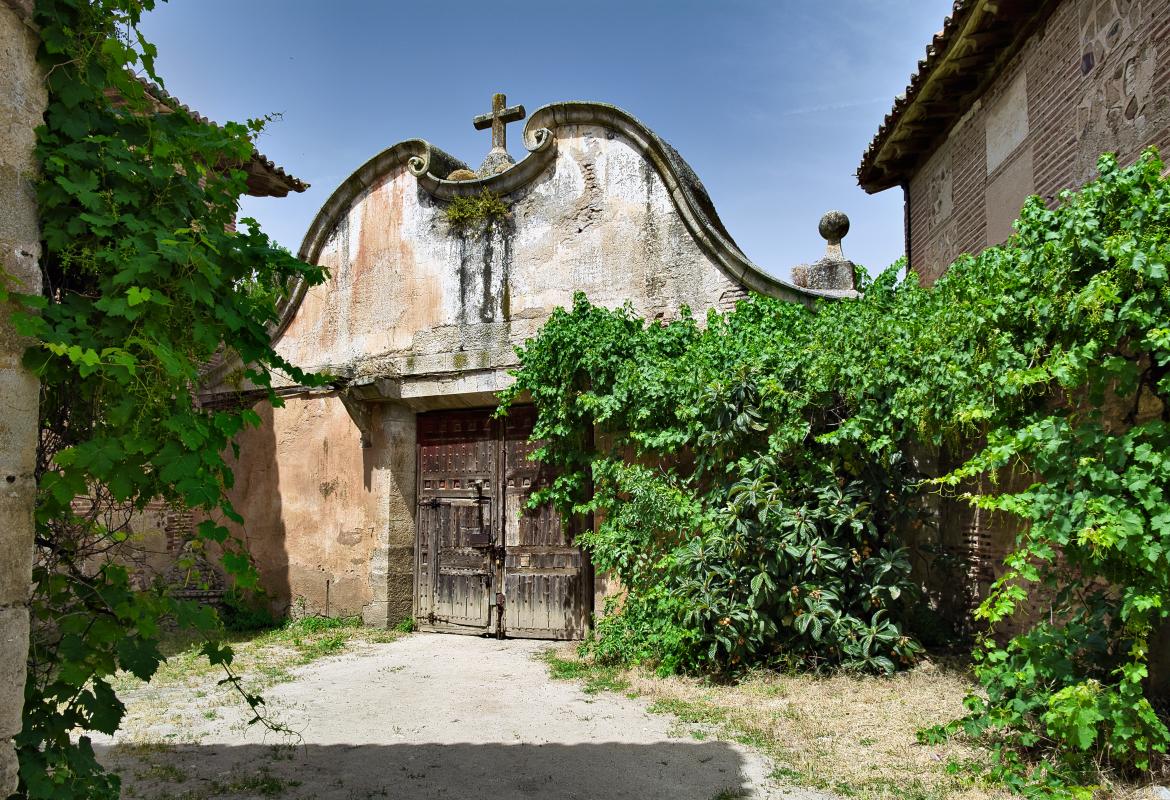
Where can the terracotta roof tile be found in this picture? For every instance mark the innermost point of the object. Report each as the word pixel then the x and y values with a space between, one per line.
pixel 265 177
pixel 981 34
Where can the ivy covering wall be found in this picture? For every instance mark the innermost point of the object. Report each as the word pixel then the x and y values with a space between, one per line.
pixel 147 278
pixel 755 481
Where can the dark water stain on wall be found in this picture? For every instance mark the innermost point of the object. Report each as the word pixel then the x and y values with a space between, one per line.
pixel 486 304
pixel 505 273
pixel 485 261
pixel 655 281
pixel 464 278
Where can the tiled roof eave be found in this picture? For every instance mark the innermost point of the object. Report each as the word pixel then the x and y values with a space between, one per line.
pixel 977 38
pixel 265 177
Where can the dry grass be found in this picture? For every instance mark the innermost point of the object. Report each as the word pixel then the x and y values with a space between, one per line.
pixel 854 735
pixel 849 734
pixel 265 657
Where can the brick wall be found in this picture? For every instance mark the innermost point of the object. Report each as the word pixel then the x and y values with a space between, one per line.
pixel 1094 78
pixel 23 97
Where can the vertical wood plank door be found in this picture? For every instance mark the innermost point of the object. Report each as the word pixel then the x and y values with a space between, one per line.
pixel 546 577
pixel 477 538
pixel 458 479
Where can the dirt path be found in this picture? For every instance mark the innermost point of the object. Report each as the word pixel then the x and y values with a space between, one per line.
pixel 434 716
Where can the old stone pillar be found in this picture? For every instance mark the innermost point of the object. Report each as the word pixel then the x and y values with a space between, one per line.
pixel 392 564
pixel 23 96
pixel 833 273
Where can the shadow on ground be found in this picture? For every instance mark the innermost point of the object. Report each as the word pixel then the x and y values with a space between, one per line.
pixel 675 770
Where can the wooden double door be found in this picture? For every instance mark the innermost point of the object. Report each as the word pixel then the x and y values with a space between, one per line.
pixel 485 563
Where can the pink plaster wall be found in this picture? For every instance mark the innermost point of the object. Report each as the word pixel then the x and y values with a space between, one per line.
pixel 312 504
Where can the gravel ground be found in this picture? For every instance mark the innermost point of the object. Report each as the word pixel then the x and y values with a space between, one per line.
pixel 431 716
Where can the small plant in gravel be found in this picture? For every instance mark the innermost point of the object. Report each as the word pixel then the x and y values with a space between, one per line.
pixel 168 773
pixel 263 783
pixel 730 794
pixel 596 678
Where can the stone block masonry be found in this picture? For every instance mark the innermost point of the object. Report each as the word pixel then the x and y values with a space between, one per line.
pixel 23 95
pixel 391 566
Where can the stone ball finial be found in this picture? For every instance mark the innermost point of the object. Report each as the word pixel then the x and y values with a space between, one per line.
pixel 833 226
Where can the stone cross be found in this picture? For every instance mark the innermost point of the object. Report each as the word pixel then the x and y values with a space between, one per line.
pixel 496 120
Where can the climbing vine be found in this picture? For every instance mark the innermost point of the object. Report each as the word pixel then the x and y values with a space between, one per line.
pixel 466 212
pixel 147 279
pixel 755 482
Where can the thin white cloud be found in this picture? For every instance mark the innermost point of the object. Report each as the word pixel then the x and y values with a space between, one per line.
pixel 792 112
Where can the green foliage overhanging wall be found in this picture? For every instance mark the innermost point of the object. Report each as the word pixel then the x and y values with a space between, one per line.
pixel 753 481
pixel 145 281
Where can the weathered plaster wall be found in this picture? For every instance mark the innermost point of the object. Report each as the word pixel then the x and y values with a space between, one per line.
pixel 418 315
pixel 410 297
pixel 23 96
pixel 317 509
pixel 1094 79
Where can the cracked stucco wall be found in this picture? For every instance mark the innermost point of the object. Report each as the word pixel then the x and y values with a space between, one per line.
pixel 23 94
pixel 407 296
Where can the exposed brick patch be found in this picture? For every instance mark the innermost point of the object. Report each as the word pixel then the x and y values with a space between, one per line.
pixel 179 528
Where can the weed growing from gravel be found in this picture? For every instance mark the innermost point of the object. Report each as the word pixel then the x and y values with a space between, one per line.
pixel 595 677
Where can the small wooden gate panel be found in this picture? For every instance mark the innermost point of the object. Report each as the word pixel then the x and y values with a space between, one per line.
pixel 474 482
pixel 544 572
pixel 458 466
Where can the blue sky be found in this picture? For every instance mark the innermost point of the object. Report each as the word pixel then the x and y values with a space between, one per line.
pixel 772 102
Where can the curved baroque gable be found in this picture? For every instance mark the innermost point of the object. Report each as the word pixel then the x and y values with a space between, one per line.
pixel 600 204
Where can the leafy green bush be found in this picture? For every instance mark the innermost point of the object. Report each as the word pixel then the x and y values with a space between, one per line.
pixel 242 611
pixel 753 487
pixel 755 541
